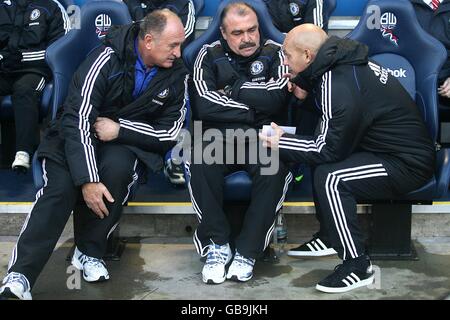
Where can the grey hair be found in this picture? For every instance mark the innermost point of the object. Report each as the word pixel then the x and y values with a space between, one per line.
pixel 155 22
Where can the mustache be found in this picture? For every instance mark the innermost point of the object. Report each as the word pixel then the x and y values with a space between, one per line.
pixel 246 45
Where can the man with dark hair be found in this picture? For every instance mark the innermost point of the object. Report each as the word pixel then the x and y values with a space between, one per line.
pixel 27 28
pixel 371 143
pixel 126 103
pixel 237 85
pixel 287 14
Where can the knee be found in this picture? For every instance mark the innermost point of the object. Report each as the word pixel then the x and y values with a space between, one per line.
pixel 24 89
pixel 116 172
pixel 322 174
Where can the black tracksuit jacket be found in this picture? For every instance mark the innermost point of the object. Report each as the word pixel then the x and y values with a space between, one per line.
pixel 257 91
pixel 102 86
pixel 30 26
pixel 287 14
pixel 363 109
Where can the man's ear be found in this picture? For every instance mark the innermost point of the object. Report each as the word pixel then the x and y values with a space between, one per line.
pixel 148 41
pixel 309 56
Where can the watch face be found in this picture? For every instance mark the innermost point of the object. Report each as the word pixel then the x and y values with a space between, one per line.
pixel 227 90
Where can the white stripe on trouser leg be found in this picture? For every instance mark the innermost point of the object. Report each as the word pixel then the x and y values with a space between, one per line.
pixel 25 224
pixel 269 232
pixel 194 203
pixel 40 85
pixel 198 245
pixel 269 235
pixel 331 185
pixel 334 214
pixel 112 230
pixel 133 181
pixel 368 173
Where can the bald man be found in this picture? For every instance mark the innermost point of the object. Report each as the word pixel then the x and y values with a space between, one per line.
pixel 371 144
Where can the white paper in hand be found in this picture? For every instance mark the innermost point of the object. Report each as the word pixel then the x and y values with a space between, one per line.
pixel 268 130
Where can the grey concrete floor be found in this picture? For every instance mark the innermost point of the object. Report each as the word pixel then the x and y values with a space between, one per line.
pixel 156 269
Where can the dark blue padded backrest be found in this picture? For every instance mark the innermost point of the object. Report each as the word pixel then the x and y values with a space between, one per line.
pixel 65 55
pixel 66 3
pixel 328 8
pixel 267 30
pixel 399 44
pixel 199 5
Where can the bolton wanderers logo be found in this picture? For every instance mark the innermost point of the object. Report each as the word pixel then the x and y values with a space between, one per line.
pixel 256 68
pixel 294 8
pixel 102 25
pixel 163 94
pixel 35 14
pixel 388 23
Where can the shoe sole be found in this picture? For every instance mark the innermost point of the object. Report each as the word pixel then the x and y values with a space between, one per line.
pixel 321 253
pixel 238 279
pixel 79 266
pixel 359 284
pixel 7 294
pixel 212 281
pixel 20 169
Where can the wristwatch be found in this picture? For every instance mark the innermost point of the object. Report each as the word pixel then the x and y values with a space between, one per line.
pixel 228 90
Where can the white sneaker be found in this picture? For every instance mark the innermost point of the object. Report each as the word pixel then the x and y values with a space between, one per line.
pixel 94 270
pixel 15 286
pixel 214 269
pixel 21 161
pixel 241 268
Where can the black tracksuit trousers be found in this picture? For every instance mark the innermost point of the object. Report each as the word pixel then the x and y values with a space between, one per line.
pixel 26 92
pixel 267 195
pixel 56 200
pixel 338 186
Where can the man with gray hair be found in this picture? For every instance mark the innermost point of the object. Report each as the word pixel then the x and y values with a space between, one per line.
pixel 126 103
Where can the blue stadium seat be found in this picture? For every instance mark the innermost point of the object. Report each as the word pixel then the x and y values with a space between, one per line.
pixel 199 5
pixel 399 44
pixel 65 55
pixel 328 8
pixel 237 184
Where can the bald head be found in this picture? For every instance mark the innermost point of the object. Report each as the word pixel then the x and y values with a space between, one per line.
pixel 301 46
pixel 307 36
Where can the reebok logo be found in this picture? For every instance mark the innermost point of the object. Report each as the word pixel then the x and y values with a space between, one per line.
pixel 382 73
pixel 398 73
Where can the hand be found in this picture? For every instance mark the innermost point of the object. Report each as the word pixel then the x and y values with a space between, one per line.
pixel 106 129
pixel 273 140
pixel 10 61
pixel 444 89
pixel 298 92
pixel 93 193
